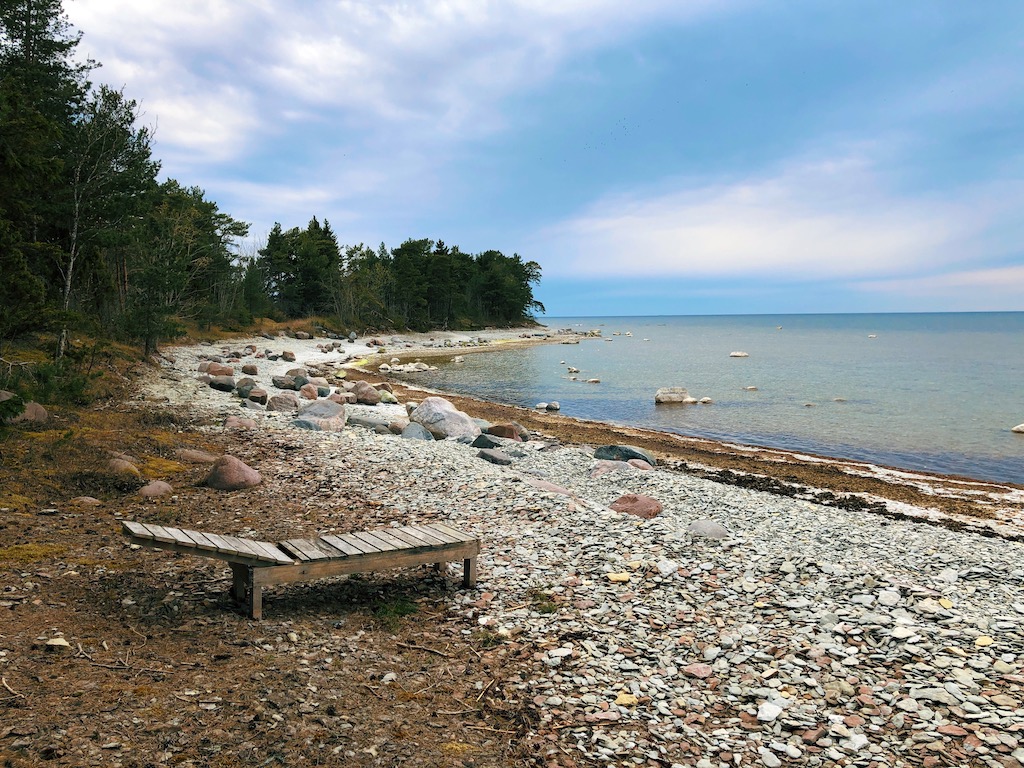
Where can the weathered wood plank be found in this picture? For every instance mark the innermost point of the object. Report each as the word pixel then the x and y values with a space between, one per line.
pixel 243 547
pixel 369 538
pixel 161 534
pixel 342 545
pixel 460 535
pixel 427 530
pixel 181 537
pixel 326 548
pixel 304 549
pixel 134 529
pixel 272 552
pixel 364 548
pixel 395 541
pixel 412 541
pixel 419 534
pixel 201 540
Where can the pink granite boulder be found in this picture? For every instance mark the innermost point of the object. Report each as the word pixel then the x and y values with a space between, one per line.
pixel 637 504
pixel 232 474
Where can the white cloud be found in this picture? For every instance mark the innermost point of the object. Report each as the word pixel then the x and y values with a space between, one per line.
pixel 808 221
pixel 440 66
pixel 995 288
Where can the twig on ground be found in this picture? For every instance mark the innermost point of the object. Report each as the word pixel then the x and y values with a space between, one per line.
pixel 457 712
pixel 17 695
pixel 486 688
pixel 425 648
pixel 82 652
pixel 372 690
pixel 485 728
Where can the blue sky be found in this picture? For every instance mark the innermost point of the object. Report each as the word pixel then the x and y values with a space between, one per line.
pixel 655 157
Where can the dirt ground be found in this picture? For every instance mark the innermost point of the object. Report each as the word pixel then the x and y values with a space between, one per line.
pixel 161 668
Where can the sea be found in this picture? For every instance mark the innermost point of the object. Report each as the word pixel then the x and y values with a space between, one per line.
pixel 927 392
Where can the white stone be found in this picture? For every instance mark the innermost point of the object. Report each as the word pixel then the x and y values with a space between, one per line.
pixel 767 712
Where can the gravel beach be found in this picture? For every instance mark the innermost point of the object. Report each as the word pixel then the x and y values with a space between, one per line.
pixel 736 627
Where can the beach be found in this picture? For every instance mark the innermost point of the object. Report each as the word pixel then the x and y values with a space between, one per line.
pixel 886 591
pixel 881 625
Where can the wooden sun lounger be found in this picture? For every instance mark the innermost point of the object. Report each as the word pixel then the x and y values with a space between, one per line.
pixel 258 564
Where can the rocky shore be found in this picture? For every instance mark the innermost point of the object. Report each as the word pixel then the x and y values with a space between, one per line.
pixel 728 627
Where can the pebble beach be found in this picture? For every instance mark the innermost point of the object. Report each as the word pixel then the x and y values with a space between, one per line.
pixel 735 627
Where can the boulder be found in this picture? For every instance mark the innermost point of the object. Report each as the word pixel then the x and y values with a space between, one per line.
pixel 238 422
pixel 387 397
pixel 33 413
pixel 1018 429
pixel 494 456
pixel 367 422
pixel 258 395
pixel 642 506
pixel 121 466
pixel 294 372
pixel 155 488
pixel 288 356
pixel 604 466
pixel 397 425
pixel 709 529
pixel 285 401
pixel 554 406
pixel 444 420
pixel 671 395
pixel 194 456
pixel 343 397
pixel 485 441
pixel 244 386
pixel 508 431
pixel 544 485
pixel 232 474
pixel 323 409
pixel 336 424
pixel 624 453
pixel 250 369
pixel 219 369
pixel 637 504
pixel 308 392
pixel 366 394
pixel 203 367
pixel 223 383
pixel 738 354
pixel 640 464
pixel 414 431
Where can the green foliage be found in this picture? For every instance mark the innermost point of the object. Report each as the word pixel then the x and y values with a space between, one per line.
pixel 89 239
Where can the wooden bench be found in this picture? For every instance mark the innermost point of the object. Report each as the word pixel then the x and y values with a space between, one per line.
pixel 259 564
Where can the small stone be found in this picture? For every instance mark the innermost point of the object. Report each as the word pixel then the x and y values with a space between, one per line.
pixel 983 640
pixel 619 578
pixel 768 711
pixel 700 671
pixel 626 700
pixel 769 758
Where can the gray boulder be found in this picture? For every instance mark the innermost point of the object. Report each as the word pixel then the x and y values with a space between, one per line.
pixel 624 453
pixel 672 395
pixel 709 529
pixel 494 456
pixel 223 383
pixel 283 382
pixel 414 431
pixel 323 409
pixel 444 420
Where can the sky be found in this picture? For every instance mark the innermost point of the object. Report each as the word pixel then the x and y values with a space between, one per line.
pixel 654 157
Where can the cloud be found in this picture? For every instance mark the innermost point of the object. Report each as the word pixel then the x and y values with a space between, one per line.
pixel 811 220
pixel 1001 287
pixel 218 75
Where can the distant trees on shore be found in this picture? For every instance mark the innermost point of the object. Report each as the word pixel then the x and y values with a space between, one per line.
pixel 91 239
pixel 421 284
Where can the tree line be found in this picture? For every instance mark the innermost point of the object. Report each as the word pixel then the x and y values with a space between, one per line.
pixel 92 240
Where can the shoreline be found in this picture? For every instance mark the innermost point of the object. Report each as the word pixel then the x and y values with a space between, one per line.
pixel 959 503
pixel 739 620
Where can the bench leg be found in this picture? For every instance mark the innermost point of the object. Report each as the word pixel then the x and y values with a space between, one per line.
pixel 239 586
pixel 255 596
pixel 469 572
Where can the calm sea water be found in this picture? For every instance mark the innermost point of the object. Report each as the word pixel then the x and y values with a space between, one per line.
pixel 933 392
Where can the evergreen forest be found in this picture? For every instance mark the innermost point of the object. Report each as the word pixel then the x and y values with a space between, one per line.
pixel 94 242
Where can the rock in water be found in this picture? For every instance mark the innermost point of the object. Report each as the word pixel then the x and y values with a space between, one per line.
pixel 443 420
pixel 671 395
pixel 738 354
pixel 231 474
pixel 624 453
pixel 1019 429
